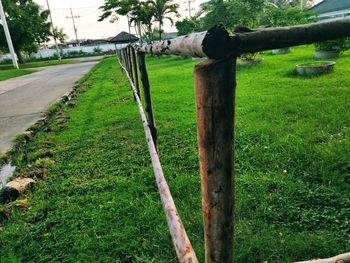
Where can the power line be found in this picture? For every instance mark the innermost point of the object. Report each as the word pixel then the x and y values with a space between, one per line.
pixel 81 7
pixel 89 13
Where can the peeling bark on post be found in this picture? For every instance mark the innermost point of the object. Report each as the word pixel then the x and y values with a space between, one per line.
pixel 214 43
pixel 215 93
pixel 147 95
pixel 136 77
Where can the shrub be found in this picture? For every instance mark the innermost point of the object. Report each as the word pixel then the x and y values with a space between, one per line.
pixel 98 50
pixel 339 45
pixel 108 52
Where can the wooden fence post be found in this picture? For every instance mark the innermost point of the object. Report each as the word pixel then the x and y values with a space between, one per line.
pixel 125 59
pixel 128 52
pixel 215 84
pixel 136 77
pixel 120 57
pixel 147 95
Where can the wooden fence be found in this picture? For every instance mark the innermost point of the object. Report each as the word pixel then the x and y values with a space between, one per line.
pixel 215 83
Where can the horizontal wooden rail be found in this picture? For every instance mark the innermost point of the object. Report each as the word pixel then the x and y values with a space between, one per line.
pixel 216 43
pixel 291 36
pixel 182 244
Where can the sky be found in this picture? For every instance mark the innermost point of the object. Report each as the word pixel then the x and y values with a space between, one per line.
pixel 87 25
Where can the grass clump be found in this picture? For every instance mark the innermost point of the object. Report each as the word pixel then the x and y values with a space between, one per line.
pixel 99 201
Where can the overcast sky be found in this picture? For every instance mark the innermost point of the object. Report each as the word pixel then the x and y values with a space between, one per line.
pixel 87 25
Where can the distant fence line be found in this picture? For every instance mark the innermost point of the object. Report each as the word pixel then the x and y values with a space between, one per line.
pixel 215 85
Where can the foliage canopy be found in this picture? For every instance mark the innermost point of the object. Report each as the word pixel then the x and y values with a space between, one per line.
pixel 28 25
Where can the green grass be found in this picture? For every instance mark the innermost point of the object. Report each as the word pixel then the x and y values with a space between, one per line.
pixel 13 73
pixel 98 201
pixel 38 64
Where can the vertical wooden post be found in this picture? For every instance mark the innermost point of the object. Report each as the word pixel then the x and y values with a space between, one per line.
pixel 147 95
pixel 131 73
pixel 215 94
pixel 125 59
pixel 136 77
pixel 119 54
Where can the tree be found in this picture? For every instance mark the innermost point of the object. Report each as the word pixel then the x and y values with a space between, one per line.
pixel 162 10
pixel 233 12
pixel 288 16
pixel 185 26
pixel 118 7
pixel 59 34
pixel 188 25
pixel 28 25
pixel 217 12
pixel 138 13
pixel 142 16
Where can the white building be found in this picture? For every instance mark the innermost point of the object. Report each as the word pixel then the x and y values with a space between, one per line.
pixel 332 9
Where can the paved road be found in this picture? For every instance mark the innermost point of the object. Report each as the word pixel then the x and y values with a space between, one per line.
pixel 24 99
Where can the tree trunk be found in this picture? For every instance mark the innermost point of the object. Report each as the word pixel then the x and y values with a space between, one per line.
pixel 19 55
pixel 160 30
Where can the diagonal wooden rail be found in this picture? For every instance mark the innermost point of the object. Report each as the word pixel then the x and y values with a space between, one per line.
pixel 182 244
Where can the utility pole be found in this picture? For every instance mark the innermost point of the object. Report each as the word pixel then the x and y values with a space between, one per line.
pixel 8 36
pixel 189 9
pixel 74 27
pixel 53 32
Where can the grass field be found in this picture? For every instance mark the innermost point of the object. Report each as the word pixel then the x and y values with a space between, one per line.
pixel 98 200
pixel 7 71
pixel 13 73
pixel 38 64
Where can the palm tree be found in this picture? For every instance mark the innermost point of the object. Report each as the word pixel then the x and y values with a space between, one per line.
pixel 141 16
pixel 59 34
pixel 163 8
pixel 119 7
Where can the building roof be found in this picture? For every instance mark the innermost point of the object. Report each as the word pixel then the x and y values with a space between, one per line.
pixel 327 6
pixel 124 37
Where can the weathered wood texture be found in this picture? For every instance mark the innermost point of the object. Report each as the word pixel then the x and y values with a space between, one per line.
pixel 147 95
pixel 215 94
pixel 217 44
pixel 128 59
pixel 135 68
pixel 291 36
pixel 343 258
pixel 182 244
